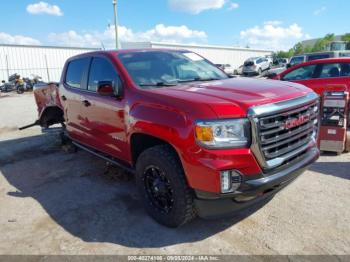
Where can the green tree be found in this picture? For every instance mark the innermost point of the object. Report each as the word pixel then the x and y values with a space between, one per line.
pixel 298 49
pixel 346 38
pixel 322 43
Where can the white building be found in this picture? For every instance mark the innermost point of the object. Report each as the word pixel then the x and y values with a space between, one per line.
pixel 45 61
pixel 234 56
pixel 48 61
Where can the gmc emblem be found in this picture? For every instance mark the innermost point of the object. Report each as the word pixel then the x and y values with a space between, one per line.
pixel 294 122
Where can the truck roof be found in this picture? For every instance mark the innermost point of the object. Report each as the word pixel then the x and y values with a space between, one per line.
pixel 127 51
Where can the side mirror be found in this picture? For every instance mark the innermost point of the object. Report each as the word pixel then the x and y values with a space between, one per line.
pixel 289 65
pixel 105 88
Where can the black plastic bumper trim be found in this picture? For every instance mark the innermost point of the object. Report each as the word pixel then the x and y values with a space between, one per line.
pixel 214 205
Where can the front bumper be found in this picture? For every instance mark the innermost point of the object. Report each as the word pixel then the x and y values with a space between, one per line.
pixel 252 191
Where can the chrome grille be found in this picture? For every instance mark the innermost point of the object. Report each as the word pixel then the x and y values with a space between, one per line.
pixel 281 135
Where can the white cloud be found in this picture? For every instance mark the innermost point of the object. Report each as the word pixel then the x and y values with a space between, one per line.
pixel 159 33
pixel 320 10
pixel 272 35
pixel 233 6
pixel 273 22
pixel 196 6
pixel 172 33
pixel 44 8
pixel 17 39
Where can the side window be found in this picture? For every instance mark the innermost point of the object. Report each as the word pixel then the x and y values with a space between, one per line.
pixel 301 73
pixel 75 72
pixel 101 70
pixel 330 70
pixel 335 70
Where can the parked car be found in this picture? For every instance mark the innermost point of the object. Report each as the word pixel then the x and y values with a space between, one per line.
pixel 295 60
pixel 255 65
pixel 281 62
pixel 279 65
pixel 200 143
pixel 238 70
pixel 319 75
pixel 270 58
pixel 227 68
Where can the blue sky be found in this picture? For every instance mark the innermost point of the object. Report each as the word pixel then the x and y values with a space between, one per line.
pixel 271 24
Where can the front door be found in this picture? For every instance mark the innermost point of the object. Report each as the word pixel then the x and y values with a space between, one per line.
pixel 104 116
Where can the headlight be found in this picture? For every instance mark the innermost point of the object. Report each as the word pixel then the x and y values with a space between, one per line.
pixel 223 134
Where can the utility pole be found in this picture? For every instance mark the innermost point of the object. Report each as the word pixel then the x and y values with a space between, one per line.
pixel 116 23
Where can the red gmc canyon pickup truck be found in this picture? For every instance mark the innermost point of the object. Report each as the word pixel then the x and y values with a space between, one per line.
pixel 200 143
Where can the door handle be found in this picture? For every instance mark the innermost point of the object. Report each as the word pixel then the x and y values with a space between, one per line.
pixel 86 103
pixel 64 98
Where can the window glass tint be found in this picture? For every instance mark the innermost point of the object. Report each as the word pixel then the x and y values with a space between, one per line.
pixel 344 54
pixel 297 60
pixel 320 56
pixel 101 70
pixel 75 72
pixel 248 63
pixel 335 70
pixel 301 73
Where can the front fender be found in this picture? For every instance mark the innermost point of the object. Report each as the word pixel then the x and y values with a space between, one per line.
pixel 162 122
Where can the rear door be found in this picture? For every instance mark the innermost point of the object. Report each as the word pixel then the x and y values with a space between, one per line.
pixel 103 116
pixel 71 96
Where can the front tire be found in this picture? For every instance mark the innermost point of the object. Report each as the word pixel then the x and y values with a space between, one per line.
pixel 161 182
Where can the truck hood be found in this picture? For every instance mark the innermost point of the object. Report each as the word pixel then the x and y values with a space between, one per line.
pixel 233 97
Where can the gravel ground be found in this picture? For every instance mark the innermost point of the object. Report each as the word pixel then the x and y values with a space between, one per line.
pixel 52 202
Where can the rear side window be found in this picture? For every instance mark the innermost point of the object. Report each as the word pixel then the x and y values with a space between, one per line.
pixel 101 70
pixel 319 56
pixel 335 70
pixel 301 73
pixel 344 54
pixel 75 72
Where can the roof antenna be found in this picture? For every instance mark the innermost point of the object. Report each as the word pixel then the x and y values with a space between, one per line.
pixel 103 46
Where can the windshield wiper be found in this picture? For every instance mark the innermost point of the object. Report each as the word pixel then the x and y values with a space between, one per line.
pixel 198 79
pixel 158 84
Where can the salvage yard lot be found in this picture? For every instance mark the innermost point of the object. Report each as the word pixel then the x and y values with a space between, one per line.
pixel 53 202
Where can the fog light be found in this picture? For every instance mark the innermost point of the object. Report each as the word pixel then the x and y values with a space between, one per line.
pixel 230 181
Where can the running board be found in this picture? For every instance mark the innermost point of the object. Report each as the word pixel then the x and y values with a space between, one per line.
pixel 112 161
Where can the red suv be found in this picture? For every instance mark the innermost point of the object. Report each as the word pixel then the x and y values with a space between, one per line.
pixel 199 142
pixel 331 74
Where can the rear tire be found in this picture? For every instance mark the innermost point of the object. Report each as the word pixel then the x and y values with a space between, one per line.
pixel 20 90
pixel 161 182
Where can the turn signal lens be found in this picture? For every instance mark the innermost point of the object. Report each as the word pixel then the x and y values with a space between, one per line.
pixel 204 133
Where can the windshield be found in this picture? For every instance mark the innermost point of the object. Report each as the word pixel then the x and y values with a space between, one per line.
pixel 164 68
